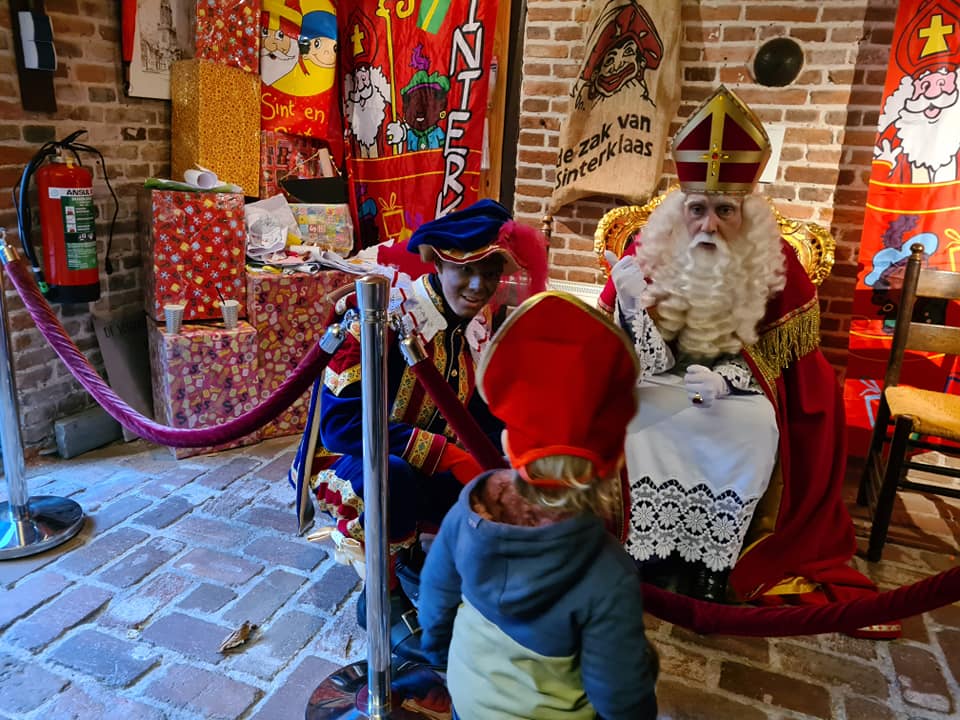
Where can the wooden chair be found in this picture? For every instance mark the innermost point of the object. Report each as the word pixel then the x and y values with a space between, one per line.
pixel 917 415
pixel 813 244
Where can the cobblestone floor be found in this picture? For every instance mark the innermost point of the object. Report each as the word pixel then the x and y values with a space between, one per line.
pixel 124 621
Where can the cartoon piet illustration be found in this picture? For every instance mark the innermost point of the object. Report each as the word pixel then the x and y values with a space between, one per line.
pixel 919 128
pixel 366 91
pixel 318 40
pixel 424 106
pixel 622 46
pixel 889 263
pixel 298 46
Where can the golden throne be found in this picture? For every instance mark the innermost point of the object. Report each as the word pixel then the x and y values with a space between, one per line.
pixel 813 243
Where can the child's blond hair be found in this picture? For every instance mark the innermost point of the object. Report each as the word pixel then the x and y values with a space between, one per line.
pixel 581 490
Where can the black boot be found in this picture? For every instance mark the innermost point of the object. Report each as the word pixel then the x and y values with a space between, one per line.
pixel 399 604
pixel 404 629
pixel 708 584
pixel 662 572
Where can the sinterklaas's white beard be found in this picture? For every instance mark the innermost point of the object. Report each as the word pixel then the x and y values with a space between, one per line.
pixel 711 300
pixel 930 143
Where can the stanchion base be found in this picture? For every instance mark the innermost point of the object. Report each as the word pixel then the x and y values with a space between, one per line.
pixel 416 691
pixel 48 522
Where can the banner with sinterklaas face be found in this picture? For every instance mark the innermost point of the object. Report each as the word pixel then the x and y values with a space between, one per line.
pixel 298 70
pixel 913 197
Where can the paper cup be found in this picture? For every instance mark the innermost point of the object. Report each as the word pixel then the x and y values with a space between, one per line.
pixel 174 316
pixel 231 313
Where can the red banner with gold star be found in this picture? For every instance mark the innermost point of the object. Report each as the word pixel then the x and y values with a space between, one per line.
pixel 415 86
pixel 913 197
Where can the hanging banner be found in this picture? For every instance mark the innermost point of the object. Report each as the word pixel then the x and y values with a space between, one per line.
pixel 613 139
pixel 415 85
pixel 913 197
pixel 298 70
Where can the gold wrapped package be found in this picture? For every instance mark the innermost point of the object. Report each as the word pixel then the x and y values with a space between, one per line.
pixel 215 122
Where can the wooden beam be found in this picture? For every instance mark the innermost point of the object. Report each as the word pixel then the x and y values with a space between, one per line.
pixel 496 103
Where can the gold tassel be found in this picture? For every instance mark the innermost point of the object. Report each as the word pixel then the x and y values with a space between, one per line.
pixel 790 339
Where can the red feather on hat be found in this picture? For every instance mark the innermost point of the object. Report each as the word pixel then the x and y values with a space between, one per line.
pixel 529 247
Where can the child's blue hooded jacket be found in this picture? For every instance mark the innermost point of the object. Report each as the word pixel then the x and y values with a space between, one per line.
pixel 541 623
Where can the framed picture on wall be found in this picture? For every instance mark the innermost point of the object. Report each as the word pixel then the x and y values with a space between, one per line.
pixel 163 33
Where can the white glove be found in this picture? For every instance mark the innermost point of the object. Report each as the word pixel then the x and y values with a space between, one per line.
pixel 477 334
pixel 396 132
pixel 703 385
pixel 885 152
pixel 628 280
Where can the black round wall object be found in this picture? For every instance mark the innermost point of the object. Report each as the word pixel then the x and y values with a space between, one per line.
pixel 778 62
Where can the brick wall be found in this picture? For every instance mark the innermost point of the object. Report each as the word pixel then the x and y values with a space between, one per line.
pixel 829 114
pixel 133 135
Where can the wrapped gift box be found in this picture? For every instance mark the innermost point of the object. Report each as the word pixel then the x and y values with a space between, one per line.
pixel 283 155
pixel 228 32
pixel 193 245
pixel 215 122
pixel 288 312
pixel 326 226
pixel 202 376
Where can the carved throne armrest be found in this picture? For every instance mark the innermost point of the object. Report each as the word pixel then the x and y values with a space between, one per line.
pixel 813 243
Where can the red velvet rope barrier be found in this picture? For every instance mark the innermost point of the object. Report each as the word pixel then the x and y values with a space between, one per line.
pixel 696 615
pixel 51 328
pixel 848 616
pixel 713 618
pixel 462 422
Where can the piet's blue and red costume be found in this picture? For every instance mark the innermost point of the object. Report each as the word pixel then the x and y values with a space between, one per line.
pixel 426 467
pixel 417 435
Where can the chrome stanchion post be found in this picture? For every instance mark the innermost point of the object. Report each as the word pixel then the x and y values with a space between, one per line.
pixel 357 691
pixel 372 295
pixel 28 525
pixel 13 466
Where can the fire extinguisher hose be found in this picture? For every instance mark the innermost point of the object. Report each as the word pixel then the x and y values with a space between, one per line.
pixel 24 220
pixel 86 374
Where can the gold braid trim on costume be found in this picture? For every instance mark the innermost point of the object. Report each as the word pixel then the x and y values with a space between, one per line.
pixel 790 338
pixel 418 448
pixel 793 585
pixel 336 382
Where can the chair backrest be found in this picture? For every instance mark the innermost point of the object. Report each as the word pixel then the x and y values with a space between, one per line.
pixel 813 243
pixel 910 334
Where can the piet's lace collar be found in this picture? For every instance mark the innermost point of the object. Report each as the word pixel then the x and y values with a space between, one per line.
pixel 421 306
pixel 424 311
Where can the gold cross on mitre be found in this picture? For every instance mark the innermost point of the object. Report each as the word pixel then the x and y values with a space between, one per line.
pixel 722 148
pixel 935 33
pixel 357 38
pixel 716 154
pixel 277 10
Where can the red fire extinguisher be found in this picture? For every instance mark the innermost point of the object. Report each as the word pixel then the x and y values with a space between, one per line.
pixel 67 218
pixel 70 271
